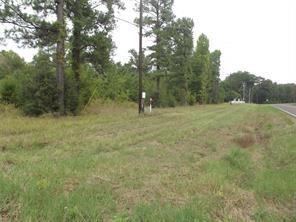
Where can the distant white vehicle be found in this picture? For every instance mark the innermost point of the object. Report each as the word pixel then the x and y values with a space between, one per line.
pixel 237 101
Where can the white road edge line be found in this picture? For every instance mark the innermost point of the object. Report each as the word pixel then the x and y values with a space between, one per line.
pixel 285 111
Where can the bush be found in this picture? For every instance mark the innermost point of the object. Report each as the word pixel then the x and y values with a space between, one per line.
pixel 37 92
pixel 167 99
pixel 117 85
pixel 8 90
pixel 71 96
pixel 75 102
pixel 191 98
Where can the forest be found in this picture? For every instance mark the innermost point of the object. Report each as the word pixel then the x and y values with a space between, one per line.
pixel 74 65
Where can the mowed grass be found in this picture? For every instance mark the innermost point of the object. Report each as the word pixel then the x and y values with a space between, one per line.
pixel 202 163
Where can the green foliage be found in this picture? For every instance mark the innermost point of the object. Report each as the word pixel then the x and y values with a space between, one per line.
pixel 38 92
pixel 134 61
pixel 10 63
pixel 167 100
pixel 157 22
pixel 201 70
pixel 257 89
pixel 31 26
pixel 8 87
pixel 233 85
pixel 191 98
pixel 72 101
pixel 214 85
pixel 182 52
pixel 119 84
pixel 166 97
pixel 11 68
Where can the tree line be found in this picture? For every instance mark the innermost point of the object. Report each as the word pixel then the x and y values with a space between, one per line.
pixel 74 65
pixel 256 89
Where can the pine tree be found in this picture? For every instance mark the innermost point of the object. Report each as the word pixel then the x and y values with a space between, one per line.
pixel 182 53
pixel 201 66
pixel 92 23
pixel 158 21
pixel 31 25
pixel 214 80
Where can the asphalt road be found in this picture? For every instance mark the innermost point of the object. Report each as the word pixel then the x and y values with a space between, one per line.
pixel 287 108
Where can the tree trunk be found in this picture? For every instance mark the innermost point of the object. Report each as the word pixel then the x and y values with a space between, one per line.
pixel 157 56
pixel 76 49
pixel 60 50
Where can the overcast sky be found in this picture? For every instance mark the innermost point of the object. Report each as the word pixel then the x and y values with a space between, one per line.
pixel 258 36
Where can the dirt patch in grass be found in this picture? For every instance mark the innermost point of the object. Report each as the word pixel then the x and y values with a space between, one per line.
pixel 262 138
pixel 283 209
pixel 238 205
pixel 10 213
pixel 70 186
pixel 245 141
pixel 4 216
pixel 2 148
pixel 7 164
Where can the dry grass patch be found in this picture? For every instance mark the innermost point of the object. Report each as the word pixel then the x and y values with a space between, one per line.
pixel 245 141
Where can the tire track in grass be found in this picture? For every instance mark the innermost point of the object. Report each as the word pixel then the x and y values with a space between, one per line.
pixel 129 145
pixel 152 132
pixel 136 133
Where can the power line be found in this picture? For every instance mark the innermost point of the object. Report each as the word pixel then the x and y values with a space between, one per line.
pixel 126 21
pixel 130 23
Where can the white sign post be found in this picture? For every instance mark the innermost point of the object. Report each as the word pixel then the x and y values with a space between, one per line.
pixel 143 95
pixel 143 101
pixel 150 103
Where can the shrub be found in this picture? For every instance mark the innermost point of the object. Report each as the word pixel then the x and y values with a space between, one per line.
pixel 167 99
pixel 191 98
pixel 37 92
pixel 8 90
pixel 74 102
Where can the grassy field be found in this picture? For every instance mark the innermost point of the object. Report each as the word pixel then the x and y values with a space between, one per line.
pixel 203 163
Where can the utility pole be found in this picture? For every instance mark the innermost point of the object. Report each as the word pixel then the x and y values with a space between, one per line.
pixel 250 92
pixel 140 65
pixel 60 50
pixel 244 91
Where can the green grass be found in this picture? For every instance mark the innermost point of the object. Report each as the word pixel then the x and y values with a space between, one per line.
pixel 203 163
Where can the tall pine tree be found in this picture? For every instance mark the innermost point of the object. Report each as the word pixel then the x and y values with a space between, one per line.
pixel 201 67
pixel 215 76
pixel 92 23
pixel 30 23
pixel 182 53
pixel 158 23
